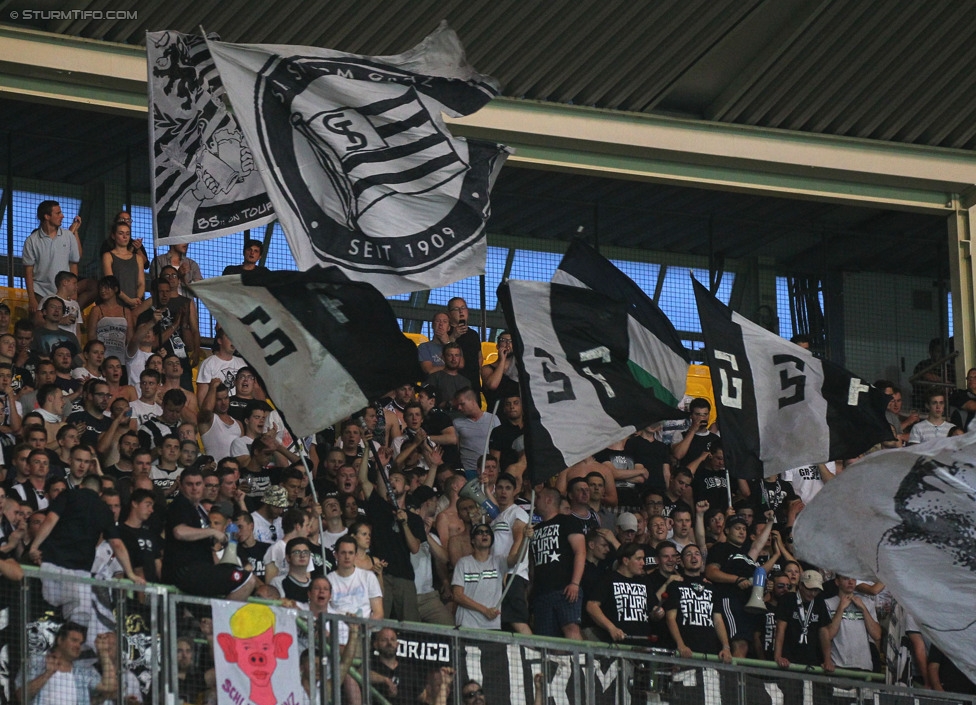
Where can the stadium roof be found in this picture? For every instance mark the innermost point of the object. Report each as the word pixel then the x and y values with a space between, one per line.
pixel 885 78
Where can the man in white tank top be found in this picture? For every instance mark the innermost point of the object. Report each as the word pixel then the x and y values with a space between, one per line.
pixel 217 428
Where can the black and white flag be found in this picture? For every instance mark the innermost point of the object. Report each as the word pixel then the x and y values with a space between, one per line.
pixel 204 181
pixel 658 359
pixel 578 393
pixel 780 407
pixel 359 164
pixel 906 517
pixel 323 345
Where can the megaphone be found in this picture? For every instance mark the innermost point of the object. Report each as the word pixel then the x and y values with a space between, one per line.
pixel 230 550
pixel 472 490
pixel 756 604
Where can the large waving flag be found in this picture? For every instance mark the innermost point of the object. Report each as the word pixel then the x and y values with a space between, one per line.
pixel 359 164
pixel 204 182
pixel 323 345
pixel 906 517
pixel 578 393
pixel 658 359
pixel 779 406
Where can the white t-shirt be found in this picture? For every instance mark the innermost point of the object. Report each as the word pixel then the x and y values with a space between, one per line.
pixel 351 594
pixel 143 412
pixel 214 368
pixel 262 528
pixel 276 555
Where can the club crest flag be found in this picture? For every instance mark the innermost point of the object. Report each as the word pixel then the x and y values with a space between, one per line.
pixel 256 656
pixel 578 393
pixel 204 181
pixel 324 346
pixel 906 517
pixel 779 407
pixel 657 357
pixel 358 161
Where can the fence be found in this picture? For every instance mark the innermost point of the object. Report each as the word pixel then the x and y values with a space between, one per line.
pixel 153 645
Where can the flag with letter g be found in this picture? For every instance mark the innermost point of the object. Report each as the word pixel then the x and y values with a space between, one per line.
pixel 779 407
pixel 578 393
pixel 323 345
pixel 356 157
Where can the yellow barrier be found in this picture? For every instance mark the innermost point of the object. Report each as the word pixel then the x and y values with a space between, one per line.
pixel 700 385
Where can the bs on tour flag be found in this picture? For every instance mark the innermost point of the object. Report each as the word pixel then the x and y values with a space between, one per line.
pixel 906 517
pixel 257 659
pixel 359 164
pixel 779 406
pixel 578 393
pixel 204 181
pixel 323 345
pixel 658 359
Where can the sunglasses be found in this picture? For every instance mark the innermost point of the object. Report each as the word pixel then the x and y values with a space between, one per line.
pixel 473 694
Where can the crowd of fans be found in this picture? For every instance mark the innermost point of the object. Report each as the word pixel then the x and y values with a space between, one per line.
pixel 134 454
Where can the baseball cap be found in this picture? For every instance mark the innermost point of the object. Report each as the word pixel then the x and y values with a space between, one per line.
pixel 276 496
pixel 420 495
pixel 224 507
pixel 737 519
pixel 627 522
pixel 812 580
pixel 429 391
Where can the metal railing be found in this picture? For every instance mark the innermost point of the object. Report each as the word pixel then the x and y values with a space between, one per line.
pixel 160 643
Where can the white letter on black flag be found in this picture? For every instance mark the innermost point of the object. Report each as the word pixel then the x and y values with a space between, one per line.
pixel 323 345
pixel 780 407
pixel 204 182
pixel 356 157
pixel 907 518
pixel 578 393
pixel 658 358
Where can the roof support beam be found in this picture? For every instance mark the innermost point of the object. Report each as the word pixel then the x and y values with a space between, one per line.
pixel 57 69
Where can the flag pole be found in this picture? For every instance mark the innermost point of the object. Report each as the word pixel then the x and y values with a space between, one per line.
pixel 523 549
pixel 311 482
pixel 728 485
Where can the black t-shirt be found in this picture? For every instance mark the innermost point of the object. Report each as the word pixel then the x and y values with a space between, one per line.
pixel 295 591
pixel 700 444
pixel 953 680
pixel 552 554
pixel 470 344
pixel 409 681
pixel 733 560
pixel 694 600
pixel 435 423
pixel 254 556
pixel 593 575
pixel 587 524
pixel 779 493
pixel 628 491
pixel 82 518
pixel 144 548
pixel 181 554
pixel 806 652
pixel 660 634
pixel 711 485
pixel 624 602
pixel 504 438
pixel 390 545
pixel 653 455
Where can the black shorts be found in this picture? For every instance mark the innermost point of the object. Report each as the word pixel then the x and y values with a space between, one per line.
pixel 515 607
pixel 217 580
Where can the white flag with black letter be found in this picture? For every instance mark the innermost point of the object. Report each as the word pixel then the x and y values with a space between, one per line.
pixel 204 182
pixel 778 406
pixel 324 346
pixel 907 518
pixel 578 393
pixel 356 157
